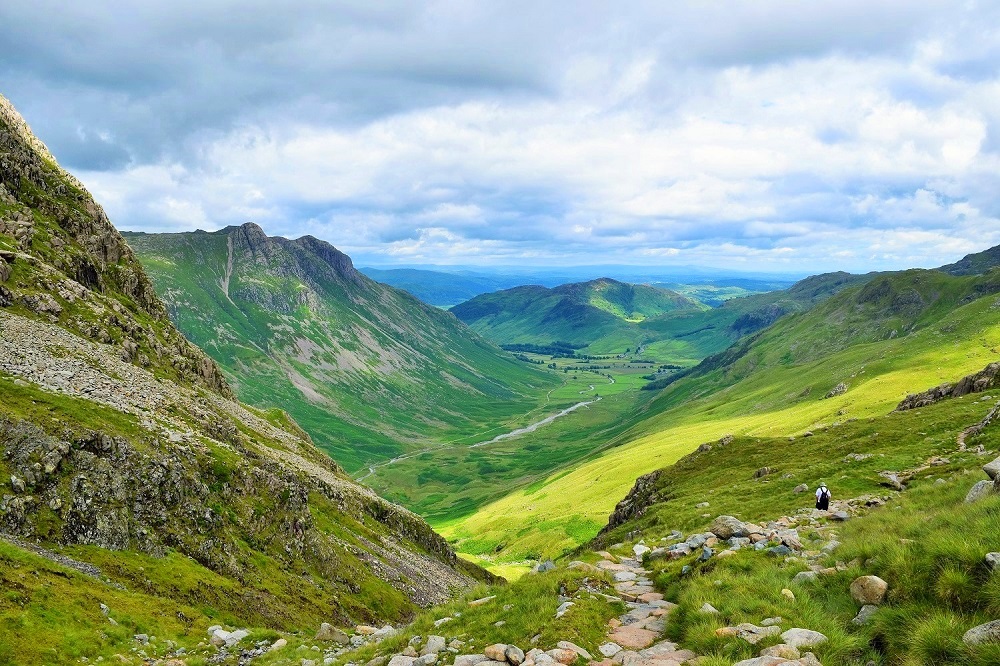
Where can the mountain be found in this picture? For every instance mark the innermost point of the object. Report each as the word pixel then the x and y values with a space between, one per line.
pixel 368 370
pixel 140 497
pixel 974 264
pixel 599 315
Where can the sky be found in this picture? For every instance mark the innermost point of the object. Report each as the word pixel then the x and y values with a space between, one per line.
pixel 767 135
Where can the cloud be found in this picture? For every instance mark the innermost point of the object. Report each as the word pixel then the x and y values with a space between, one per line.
pixel 768 134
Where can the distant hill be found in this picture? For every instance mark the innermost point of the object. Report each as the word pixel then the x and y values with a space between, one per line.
pixel 366 369
pixel 600 315
pixel 439 288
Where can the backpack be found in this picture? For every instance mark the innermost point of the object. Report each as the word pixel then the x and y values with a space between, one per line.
pixel 825 495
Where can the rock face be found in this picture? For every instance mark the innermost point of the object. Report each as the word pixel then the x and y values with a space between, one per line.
pixel 643 495
pixel 72 266
pixel 984 380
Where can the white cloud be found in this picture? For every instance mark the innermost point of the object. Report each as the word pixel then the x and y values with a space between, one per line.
pixel 770 134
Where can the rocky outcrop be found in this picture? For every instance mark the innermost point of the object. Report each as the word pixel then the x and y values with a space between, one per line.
pixel 66 263
pixel 644 494
pixel 984 380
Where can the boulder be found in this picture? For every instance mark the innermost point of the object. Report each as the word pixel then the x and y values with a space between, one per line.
pixel 781 650
pixel 840 516
pixel 400 660
pixel 869 590
pixel 277 645
pixel 803 638
pixel 805 577
pixel 992 468
pixel 435 644
pixel 563 656
pixel 631 637
pixel 762 661
pixel 979 491
pixel 496 652
pixel 727 527
pixel 801 488
pixel 640 550
pixel 992 560
pixel 984 633
pixel 328 632
pixel 515 655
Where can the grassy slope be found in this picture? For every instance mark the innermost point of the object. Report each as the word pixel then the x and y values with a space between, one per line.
pixel 926 543
pixel 381 370
pixel 775 389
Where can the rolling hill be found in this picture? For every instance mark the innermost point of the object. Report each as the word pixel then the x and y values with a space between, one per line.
pixel 368 370
pixel 599 316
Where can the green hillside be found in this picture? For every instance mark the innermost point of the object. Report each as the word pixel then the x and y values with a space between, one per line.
pixel 369 371
pixel 895 334
pixel 597 317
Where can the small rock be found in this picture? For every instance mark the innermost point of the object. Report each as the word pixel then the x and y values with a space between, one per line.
pixel 563 656
pixel 708 609
pixel 277 645
pixel 514 654
pixel 840 516
pixel 610 649
pixel 640 550
pixel 16 484
pixel 788 594
pixel 772 622
pixel 801 488
pixel 142 639
pixel 484 600
pixel 566 645
pixel 701 505
pixel 803 638
pixel 547 565
pixel 865 614
pixel 869 590
pixel 992 560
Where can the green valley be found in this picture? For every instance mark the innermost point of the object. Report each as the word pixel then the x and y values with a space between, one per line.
pixel 369 371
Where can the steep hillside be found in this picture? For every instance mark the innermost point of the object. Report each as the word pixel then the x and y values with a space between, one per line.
pixel 974 264
pixel 366 369
pixel 128 465
pixel 599 316
pixel 904 483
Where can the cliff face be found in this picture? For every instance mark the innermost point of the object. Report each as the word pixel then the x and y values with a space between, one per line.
pixel 119 436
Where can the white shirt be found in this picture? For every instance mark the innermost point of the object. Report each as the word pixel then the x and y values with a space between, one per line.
pixel 819 492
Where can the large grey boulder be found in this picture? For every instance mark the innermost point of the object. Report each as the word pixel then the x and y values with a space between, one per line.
pixel 984 633
pixel 435 644
pixel 979 491
pixel 992 468
pixel 803 638
pixel 727 527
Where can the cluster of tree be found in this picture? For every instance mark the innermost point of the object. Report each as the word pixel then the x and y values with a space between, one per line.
pixel 553 349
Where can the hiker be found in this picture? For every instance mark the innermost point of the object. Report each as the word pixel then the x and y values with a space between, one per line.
pixel 823 498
